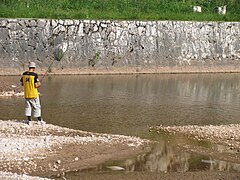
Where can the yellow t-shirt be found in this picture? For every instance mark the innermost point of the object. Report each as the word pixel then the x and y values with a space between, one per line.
pixel 29 79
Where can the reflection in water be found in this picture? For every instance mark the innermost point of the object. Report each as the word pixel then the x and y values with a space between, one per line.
pixel 163 157
pixel 160 158
pixel 222 165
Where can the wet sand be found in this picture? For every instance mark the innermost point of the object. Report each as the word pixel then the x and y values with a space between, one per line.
pixel 163 176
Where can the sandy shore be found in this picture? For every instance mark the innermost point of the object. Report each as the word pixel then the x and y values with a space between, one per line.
pixel 48 150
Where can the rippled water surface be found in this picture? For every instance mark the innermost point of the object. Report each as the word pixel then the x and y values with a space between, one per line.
pixel 127 104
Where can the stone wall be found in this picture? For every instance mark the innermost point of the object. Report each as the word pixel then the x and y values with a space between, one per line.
pixel 104 46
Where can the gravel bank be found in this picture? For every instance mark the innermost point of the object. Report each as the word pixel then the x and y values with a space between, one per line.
pixel 228 135
pixel 8 89
pixel 49 150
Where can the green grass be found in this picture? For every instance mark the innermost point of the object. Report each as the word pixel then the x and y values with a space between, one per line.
pixel 119 9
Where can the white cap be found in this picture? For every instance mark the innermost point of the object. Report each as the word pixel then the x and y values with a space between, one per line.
pixel 32 65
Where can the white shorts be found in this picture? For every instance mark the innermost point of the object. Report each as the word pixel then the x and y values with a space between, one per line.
pixel 33 104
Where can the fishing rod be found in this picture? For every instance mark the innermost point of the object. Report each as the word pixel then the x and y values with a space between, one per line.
pixel 58 55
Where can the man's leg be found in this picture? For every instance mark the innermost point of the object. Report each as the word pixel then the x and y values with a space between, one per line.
pixel 37 109
pixel 28 110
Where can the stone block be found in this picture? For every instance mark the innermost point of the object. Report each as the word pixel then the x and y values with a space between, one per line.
pixel 41 23
pixel 4 35
pixel 54 23
pixel 68 23
pixel 3 23
pixel 13 26
pixel 31 23
pixel 103 25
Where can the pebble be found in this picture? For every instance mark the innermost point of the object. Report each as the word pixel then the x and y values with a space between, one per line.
pixel 58 161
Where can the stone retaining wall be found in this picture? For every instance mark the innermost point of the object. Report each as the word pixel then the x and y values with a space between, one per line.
pixel 104 46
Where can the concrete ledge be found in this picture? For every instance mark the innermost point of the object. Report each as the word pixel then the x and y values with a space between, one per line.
pixel 128 70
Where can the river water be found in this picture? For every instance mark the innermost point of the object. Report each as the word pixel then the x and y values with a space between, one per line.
pixel 128 104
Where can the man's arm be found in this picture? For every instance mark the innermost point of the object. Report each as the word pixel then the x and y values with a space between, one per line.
pixel 21 80
pixel 37 83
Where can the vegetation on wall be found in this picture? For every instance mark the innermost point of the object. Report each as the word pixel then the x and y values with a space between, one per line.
pixel 120 9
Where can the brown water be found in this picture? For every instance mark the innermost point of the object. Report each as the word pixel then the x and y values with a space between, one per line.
pixel 127 104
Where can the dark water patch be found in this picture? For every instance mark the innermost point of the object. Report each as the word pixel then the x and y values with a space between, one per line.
pixel 162 158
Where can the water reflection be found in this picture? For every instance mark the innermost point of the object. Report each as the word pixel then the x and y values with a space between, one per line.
pixel 164 157
pixel 219 165
pixel 160 158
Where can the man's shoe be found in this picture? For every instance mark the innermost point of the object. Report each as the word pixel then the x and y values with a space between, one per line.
pixel 41 122
pixel 29 123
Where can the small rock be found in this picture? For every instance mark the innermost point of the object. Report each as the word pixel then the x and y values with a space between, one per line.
pixel 115 168
pixel 58 162
pixel 26 158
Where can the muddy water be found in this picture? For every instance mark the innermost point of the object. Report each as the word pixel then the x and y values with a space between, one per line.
pixel 128 104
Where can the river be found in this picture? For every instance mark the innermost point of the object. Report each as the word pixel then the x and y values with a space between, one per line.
pixel 128 104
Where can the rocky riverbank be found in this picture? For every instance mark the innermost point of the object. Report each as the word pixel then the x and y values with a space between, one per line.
pixel 228 135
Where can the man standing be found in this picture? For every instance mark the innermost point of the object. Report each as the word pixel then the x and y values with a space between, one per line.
pixel 30 83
